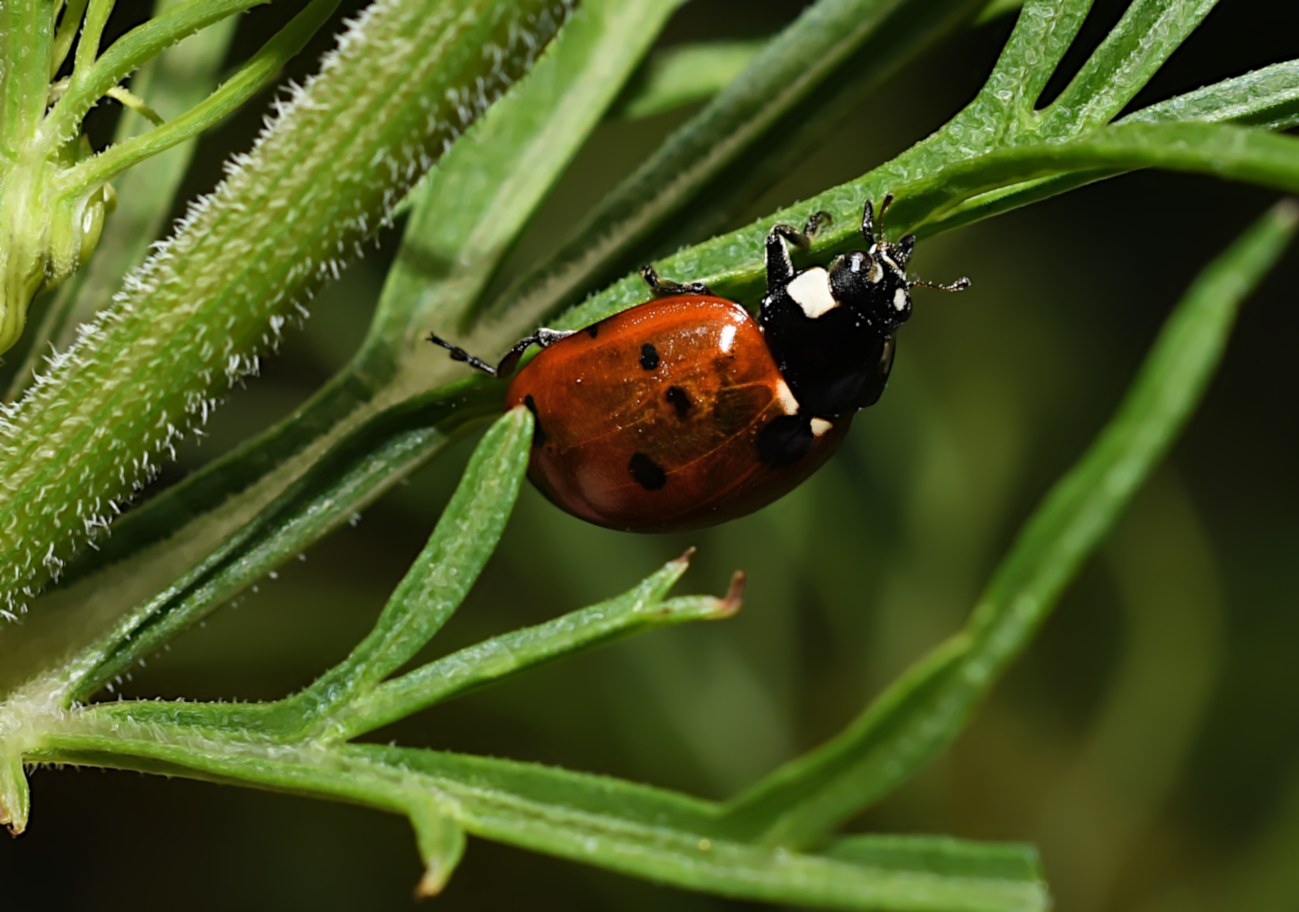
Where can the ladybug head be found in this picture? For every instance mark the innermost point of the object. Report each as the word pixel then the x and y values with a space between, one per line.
pixel 874 281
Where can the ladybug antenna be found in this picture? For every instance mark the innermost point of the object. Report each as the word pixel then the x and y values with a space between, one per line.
pixel 884 204
pixel 959 285
pixel 872 223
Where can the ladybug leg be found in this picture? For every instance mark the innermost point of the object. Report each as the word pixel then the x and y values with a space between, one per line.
pixel 815 221
pixel 780 268
pixel 662 289
pixel 785 440
pixel 505 368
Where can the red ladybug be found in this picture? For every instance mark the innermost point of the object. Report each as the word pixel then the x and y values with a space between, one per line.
pixel 685 412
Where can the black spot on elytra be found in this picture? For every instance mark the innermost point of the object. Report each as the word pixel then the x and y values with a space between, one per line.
pixel 677 396
pixel 647 472
pixel 538 435
pixel 593 330
pixel 785 441
pixel 649 357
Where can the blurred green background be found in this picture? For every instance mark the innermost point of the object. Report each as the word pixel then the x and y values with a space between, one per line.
pixel 1148 742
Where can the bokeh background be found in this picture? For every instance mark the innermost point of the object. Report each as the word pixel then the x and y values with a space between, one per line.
pixel 1147 742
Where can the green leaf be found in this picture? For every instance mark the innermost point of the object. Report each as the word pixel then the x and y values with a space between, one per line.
pixel 684 74
pixel 643 608
pixel 1131 53
pixel 1236 153
pixel 924 710
pixel 254 75
pixel 941 855
pixel 94 73
pixel 592 819
pixel 1267 98
pixel 438 581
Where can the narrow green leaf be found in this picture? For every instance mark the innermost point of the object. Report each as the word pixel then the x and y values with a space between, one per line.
pixel 921 713
pixel 641 609
pixel 15 798
pixel 1042 34
pixel 441 841
pixel 591 819
pixel 1131 53
pixel 438 581
pixel 95 75
pixel 255 74
pixel 684 74
pixel 1236 153
pixel 1267 98
pixel 941 855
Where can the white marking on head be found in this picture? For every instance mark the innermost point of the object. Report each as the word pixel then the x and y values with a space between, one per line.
pixel 811 291
pixel 728 339
pixel 788 404
pixel 900 299
pixel 875 274
pixel 820 426
pixel 888 259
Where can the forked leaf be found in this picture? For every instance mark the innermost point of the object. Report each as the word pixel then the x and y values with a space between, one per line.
pixel 442 575
pixel 502 657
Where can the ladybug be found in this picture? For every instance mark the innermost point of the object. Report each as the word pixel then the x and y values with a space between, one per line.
pixel 684 412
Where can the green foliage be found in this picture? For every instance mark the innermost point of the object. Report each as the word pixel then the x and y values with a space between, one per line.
pixel 322 179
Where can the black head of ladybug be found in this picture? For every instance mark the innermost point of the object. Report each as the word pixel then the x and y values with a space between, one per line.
pixel 832 330
pixel 873 282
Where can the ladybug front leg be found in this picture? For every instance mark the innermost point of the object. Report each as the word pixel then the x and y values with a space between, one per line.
pixel 780 268
pixel 662 289
pixel 543 337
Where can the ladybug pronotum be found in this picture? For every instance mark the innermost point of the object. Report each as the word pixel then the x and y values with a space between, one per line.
pixel 684 412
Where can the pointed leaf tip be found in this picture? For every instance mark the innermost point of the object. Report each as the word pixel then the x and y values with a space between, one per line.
pixel 728 606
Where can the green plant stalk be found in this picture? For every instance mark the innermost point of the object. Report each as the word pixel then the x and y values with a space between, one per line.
pixel 543 812
pixel 198 314
pixel 26 41
pixel 925 710
pixel 174 82
pixel 467 214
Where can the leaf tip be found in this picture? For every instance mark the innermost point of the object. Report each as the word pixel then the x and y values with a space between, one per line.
pixel 728 606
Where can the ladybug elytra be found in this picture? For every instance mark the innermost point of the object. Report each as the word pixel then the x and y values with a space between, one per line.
pixel 684 412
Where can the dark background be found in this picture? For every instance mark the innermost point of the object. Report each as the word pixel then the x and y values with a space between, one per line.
pixel 1148 740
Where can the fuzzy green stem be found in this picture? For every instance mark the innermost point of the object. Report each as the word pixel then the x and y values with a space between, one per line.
pixel 404 83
